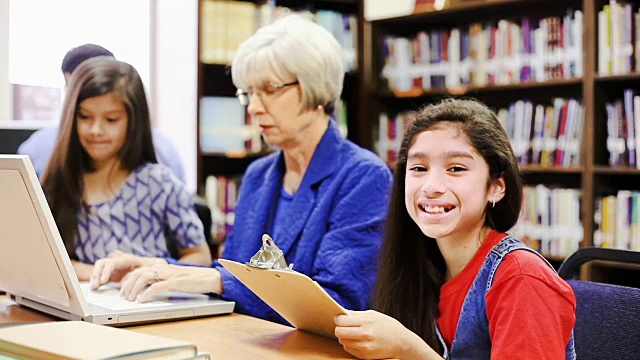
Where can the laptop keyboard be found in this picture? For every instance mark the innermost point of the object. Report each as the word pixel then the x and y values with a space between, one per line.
pixel 108 297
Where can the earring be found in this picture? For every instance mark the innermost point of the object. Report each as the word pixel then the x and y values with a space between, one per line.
pixel 493 203
pixel 320 107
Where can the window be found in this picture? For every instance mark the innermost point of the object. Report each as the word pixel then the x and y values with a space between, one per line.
pixel 42 31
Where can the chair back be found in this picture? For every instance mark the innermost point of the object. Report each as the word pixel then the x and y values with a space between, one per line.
pixel 204 214
pixel 607 316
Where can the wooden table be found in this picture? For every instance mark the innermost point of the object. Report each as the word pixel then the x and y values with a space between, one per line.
pixel 232 336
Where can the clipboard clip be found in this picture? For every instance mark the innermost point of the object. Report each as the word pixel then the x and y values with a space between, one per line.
pixel 269 256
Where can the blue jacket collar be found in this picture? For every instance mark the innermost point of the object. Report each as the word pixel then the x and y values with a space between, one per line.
pixel 322 165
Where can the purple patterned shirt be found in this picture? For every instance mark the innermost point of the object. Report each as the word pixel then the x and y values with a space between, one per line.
pixel 150 204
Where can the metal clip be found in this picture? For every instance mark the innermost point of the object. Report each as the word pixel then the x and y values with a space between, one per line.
pixel 269 256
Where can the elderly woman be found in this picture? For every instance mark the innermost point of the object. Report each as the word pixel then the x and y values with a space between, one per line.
pixel 322 198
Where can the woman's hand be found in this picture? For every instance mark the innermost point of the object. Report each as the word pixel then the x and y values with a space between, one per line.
pixel 162 278
pixel 373 335
pixel 115 266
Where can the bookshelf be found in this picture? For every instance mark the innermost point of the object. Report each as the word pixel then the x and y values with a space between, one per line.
pixel 592 176
pixel 214 76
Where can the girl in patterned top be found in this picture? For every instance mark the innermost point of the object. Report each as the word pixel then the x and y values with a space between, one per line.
pixel 108 194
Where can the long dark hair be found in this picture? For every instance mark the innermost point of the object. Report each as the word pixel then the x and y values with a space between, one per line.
pixel 63 181
pixel 411 265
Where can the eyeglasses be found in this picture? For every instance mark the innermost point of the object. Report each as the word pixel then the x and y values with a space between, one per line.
pixel 263 92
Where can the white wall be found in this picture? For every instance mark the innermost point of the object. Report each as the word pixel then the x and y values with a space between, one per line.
pixel 6 94
pixel 175 78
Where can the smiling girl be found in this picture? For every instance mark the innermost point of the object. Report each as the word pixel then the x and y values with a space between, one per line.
pixel 107 193
pixel 451 282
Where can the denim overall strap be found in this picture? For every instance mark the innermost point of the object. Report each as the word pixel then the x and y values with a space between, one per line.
pixel 472 339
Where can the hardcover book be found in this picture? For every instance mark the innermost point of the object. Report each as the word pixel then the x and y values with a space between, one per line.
pixel 81 340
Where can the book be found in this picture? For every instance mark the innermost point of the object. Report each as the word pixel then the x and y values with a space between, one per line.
pixel 81 340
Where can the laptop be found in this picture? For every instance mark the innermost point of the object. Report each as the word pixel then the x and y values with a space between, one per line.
pixel 36 271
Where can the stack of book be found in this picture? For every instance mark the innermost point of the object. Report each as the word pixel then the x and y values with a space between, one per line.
pixel 81 340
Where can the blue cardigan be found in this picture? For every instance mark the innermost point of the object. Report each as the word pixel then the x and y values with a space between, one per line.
pixel 335 236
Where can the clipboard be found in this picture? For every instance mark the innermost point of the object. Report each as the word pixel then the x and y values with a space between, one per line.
pixel 295 296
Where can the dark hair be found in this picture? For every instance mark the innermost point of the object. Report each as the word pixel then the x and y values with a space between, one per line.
pixel 63 178
pixel 80 54
pixel 411 265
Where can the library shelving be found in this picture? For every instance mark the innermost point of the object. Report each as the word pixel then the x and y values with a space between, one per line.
pixel 224 24
pixel 482 49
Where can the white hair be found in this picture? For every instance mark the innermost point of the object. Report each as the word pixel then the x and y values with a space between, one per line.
pixel 293 46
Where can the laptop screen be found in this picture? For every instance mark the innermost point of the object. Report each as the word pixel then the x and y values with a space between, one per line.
pixel 33 261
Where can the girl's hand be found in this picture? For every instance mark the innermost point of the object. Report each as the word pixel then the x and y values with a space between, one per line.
pixel 373 335
pixel 83 271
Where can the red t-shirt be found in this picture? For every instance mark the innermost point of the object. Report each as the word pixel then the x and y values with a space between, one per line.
pixel 531 310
